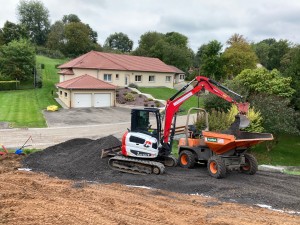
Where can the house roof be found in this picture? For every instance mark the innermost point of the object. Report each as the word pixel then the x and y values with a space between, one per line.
pixel 110 61
pixel 66 72
pixel 176 69
pixel 85 82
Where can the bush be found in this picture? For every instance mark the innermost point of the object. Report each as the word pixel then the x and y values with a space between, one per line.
pixel 214 103
pixel 134 92
pixel 132 85
pixel 219 120
pixel 129 97
pixel 278 117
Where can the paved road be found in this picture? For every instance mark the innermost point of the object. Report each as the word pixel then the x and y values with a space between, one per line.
pixel 44 137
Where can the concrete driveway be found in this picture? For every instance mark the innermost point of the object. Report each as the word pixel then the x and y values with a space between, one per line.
pixel 87 116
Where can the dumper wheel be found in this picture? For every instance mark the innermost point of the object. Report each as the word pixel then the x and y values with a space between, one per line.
pixel 250 166
pixel 186 159
pixel 216 167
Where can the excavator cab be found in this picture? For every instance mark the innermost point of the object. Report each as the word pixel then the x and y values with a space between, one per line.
pixel 146 121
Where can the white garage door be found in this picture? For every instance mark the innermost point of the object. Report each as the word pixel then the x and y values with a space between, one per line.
pixel 102 100
pixel 82 100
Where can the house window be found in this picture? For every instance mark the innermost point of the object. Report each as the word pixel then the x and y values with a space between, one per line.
pixel 181 76
pixel 151 78
pixel 168 78
pixel 117 76
pixel 60 92
pixel 66 94
pixel 107 77
pixel 138 78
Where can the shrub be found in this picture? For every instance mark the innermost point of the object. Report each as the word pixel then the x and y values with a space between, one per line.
pixel 129 97
pixel 132 85
pixel 150 99
pixel 140 95
pixel 157 104
pixel 214 103
pixel 133 92
pixel 145 104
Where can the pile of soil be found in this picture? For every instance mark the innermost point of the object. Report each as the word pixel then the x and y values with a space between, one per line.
pixel 74 159
pixel 139 99
pixel 79 159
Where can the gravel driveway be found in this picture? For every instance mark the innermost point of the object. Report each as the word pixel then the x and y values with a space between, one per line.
pixel 86 116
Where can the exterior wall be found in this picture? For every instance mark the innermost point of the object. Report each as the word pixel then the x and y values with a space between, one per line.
pixel 177 78
pixel 69 99
pixel 118 78
pixel 64 96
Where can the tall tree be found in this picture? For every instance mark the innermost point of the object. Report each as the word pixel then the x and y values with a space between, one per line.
pixel 270 52
pixel 236 38
pixel 71 18
pixel 12 31
pixel 35 17
pixel 237 57
pixel 118 42
pixel 208 58
pixel 290 65
pixel 56 36
pixel 17 60
pixel 172 48
pixel 146 43
pixel 77 40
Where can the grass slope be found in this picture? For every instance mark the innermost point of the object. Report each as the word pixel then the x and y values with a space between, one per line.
pixel 23 108
pixel 285 153
pixel 165 93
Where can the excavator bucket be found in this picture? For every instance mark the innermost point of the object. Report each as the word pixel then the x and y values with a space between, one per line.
pixel 244 121
pixel 243 110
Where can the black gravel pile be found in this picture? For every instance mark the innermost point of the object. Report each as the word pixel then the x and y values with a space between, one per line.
pixel 74 159
pixel 79 159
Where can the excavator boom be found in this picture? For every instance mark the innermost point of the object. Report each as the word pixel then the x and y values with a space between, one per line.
pixel 202 83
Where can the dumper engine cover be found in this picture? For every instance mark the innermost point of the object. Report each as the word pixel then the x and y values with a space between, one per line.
pixel 139 145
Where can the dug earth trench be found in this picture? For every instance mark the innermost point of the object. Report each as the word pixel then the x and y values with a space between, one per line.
pixel 35 198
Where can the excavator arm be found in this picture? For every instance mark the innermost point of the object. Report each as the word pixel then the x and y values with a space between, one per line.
pixel 174 103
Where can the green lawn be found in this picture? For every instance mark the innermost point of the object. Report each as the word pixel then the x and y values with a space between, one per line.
pixel 165 93
pixel 23 108
pixel 285 153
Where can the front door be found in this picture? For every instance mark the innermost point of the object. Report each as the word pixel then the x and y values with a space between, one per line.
pixel 126 80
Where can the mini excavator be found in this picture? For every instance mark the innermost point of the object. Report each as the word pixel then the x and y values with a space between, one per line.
pixel 146 147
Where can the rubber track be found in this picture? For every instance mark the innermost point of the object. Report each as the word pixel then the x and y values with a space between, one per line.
pixel 136 162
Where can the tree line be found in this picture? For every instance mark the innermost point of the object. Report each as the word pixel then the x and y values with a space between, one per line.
pixel 268 70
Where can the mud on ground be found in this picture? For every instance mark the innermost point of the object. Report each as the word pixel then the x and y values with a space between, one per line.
pixel 35 198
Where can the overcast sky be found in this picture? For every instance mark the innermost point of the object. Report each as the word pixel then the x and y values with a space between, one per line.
pixel 200 20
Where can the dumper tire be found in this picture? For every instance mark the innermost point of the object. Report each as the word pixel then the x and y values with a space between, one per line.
pixel 187 159
pixel 216 167
pixel 251 164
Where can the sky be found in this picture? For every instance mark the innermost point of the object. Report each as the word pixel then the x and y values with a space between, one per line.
pixel 200 20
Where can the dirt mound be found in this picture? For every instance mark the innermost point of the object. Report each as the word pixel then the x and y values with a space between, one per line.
pixel 74 159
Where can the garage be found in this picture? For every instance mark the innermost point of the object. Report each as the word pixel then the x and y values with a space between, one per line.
pixel 102 100
pixel 86 91
pixel 82 100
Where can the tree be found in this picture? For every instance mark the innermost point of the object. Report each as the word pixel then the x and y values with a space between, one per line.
pixel 77 40
pixel 71 18
pixel 278 117
pixel 17 60
pixel 12 31
pixel 237 57
pixel 270 52
pixel 261 80
pixel 290 65
pixel 236 38
pixel 146 43
pixel 35 17
pixel 209 60
pixel 118 42
pixel 56 36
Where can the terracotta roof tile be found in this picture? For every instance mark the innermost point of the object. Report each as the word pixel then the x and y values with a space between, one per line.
pixel 66 72
pixel 176 69
pixel 110 61
pixel 85 82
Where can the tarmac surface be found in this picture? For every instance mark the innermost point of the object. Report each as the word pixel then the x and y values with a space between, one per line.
pixel 64 125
